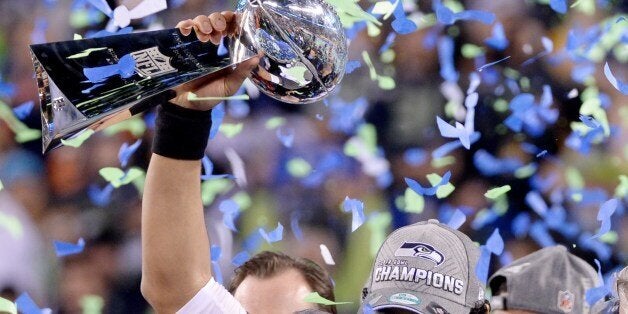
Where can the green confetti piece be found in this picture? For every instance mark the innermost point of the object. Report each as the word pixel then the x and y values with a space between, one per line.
pixel 117 177
pixel 525 171
pixel 443 162
pixel 592 106
pixel 378 224
pixel 212 188
pixel 610 237
pixel 577 197
pixel 316 298
pixel 384 8
pixel 92 304
pixel 230 130
pixel 622 189
pixel 443 191
pixel 585 6
pixel 136 126
pixel 497 192
pixel 78 139
pixel 386 82
pixel 350 13
pixel 500 105
pixel 194 97
pixel 12 224
pixel 298 167
pixel 296 74
pixel 243 200
pixel 500 207
pixel 413 203
pixel 574 178
pixel 471 51
pixel 388 56
pixel 22 132
pixel 369 64
pixel 275 122
pixel 368 134
pixel 7 306
pixel 86 53
pixel 524 82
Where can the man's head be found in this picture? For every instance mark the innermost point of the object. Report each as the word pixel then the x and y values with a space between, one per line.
pixel 426 267
pixel 550 280
pixel 273 282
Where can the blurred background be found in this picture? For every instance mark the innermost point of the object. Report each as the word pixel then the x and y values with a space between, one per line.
pixel 562 148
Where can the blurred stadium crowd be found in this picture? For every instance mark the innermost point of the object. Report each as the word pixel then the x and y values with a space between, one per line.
pixel 560 157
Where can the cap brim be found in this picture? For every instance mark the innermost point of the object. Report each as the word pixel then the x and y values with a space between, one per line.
pixel 409 300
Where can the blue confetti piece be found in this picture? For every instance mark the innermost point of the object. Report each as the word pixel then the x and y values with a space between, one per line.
pixel 482 68
pixel 415 156
pixel 98 197
pixel 7 89
pixel 520 225
pixel 581 72
pixel 495 243
pixel 488 165
pixel 519 105
pixel 367 309
pixel 447 148
pixel 541 154
pixel 536 202
pixel 352 65
pixel 480 221
pixel 294 225
pixel 252 242
pixel 64 248
pixel 218 115
pixel 24 110
pixel 222 49
pixel 273 236
pixel 446 16
pixel 559 6
pixel 597 293
pixel 286 138
pixel 601 249
pixel 446 58
pixel 125 68
pixel 498 40
pixel 215 253
pixel 240 258
pixel 105 33
pixel 38 36
pixel 459 131
pixel 230 211
pixel 103 6
pixel 506 258
pixel 555 217
pixel 356 208
pixel 402 25
pixel 538 232
pixel 208 169
pixel 482 267
pixel 26 305
pixel 390 39
pixel 346 117
pixel 604 215
pixel 126 151
pixel 416 187
pixel 618 84
pixel 589 122
pixel 457 219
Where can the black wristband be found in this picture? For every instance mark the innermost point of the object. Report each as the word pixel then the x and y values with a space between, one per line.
pixel 181 133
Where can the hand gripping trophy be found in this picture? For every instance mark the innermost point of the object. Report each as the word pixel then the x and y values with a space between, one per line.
pixel 91 84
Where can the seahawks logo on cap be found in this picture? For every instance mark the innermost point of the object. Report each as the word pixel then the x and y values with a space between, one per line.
pixel 421 250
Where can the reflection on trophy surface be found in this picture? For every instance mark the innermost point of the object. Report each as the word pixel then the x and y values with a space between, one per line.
pixel 93 83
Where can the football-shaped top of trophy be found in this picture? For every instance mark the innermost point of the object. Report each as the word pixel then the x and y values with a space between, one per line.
pixel 303 45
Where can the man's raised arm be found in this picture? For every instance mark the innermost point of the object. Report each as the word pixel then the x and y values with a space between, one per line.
pixel 175 245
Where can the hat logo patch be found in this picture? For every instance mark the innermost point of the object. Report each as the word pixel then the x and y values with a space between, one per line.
pixel 565 301
pixel 420 250
pixel 405 298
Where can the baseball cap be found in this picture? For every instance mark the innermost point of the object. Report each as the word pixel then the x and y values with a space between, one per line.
pixel 426 267
pixel 550 280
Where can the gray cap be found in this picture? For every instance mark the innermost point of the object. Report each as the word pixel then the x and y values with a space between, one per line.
pixel 550 280
pixel 622 289
pixel 426 267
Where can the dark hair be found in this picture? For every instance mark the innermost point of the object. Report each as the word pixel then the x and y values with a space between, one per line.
pixel 267 264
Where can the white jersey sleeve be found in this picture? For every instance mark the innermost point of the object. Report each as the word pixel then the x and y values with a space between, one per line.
pixel 213 298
